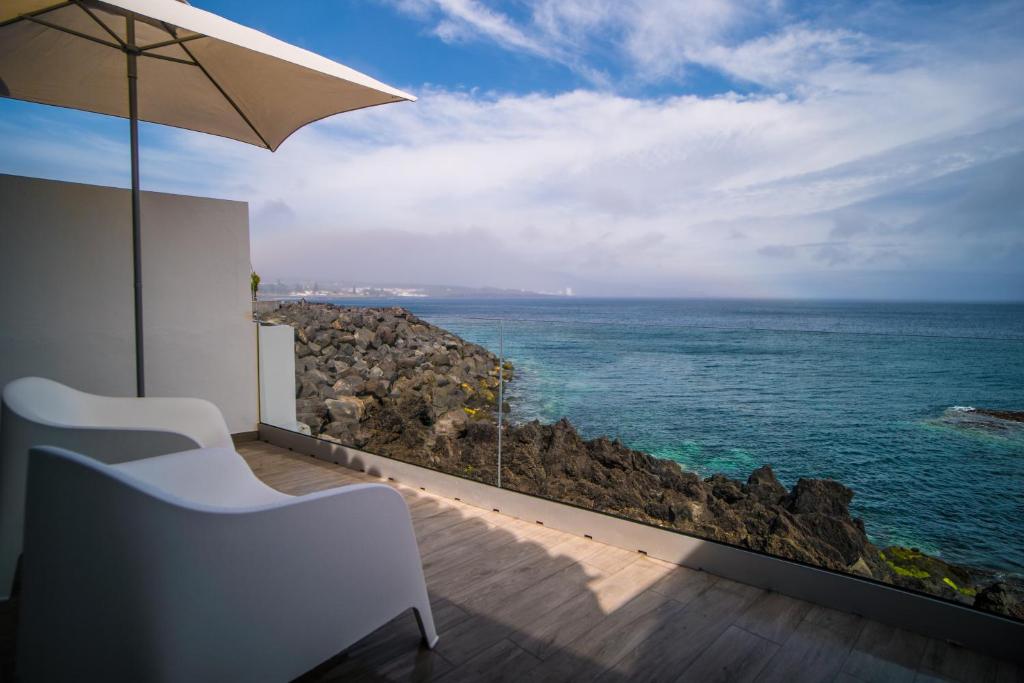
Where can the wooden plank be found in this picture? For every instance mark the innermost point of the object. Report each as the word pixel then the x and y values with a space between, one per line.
pixel 1010 673
pixel 516 585
pixel 610 639
pixel 774 616
pixel 440 564
pixel 468 638
pixel 457 572
pixel 884 653
pixel 674 643
pixel 545 597
pixel 393 652
pixel 842 677
pixel 577 548
pixel 618 588
pixel 818 648
pixel 451 536
pixel 465 580
pixel 428 525
pixel 503 661
pixel 949 661
pixel 737 655
pixel 610 559
pixel 550 633
pixel 497 613
pixel 683 584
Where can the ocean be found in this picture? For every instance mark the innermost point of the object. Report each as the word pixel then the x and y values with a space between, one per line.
pixel 874 395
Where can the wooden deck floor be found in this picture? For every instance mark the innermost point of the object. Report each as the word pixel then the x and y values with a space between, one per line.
pixel 515 601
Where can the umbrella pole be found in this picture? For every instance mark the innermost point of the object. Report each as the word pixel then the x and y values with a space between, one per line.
pixel 133 116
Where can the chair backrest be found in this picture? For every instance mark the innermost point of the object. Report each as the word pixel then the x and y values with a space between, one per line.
pixel 37 412
pixel 48 403
pixel 44 401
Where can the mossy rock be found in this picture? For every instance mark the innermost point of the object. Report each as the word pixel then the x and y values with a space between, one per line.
pixel 905 562
pixel 919 571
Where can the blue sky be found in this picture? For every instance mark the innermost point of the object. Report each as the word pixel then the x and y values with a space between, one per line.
pixel 705 148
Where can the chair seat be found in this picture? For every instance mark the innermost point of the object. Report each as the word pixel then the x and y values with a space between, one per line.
pixel 217 477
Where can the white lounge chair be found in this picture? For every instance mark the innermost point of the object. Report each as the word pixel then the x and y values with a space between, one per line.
pixel 39 411
pixel 185 567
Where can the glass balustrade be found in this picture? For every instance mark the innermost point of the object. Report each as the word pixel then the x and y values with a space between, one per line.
pixel 897 457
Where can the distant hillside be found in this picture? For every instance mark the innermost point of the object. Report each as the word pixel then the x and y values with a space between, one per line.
pixel 310 289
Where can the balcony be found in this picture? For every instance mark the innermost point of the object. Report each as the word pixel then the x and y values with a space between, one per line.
pixel 516 600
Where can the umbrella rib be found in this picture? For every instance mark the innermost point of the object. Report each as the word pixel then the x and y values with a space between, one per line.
pixel 238 110
pixel 102 25
pixel 77 34
pixel 226 96
pixel 168 58
pixel 176 41
pixel 37 13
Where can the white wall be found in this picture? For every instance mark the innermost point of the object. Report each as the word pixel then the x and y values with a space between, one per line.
pixel 66 308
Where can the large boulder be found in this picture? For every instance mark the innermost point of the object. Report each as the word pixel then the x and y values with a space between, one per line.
pixel 823 496
pixel 1003 598
pixel 345 409
pixel 452 423
pixel 363 338
pixel 764 487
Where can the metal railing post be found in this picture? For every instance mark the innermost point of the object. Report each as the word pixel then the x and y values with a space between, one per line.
pixel 501 390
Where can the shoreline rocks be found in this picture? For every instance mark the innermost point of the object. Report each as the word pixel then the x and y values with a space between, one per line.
pixel 384 381
pixel 1008 415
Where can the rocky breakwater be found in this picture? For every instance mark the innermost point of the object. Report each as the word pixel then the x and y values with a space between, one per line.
pixel 355 366
pixel 387 382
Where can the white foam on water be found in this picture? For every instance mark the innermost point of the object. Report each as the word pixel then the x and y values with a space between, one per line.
pixel 963 409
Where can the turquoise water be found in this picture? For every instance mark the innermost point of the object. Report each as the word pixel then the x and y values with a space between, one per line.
pixel 865 393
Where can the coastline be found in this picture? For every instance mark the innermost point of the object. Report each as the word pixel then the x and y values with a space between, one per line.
pixel 387 382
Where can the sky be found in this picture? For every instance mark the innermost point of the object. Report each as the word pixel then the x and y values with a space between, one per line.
pixel 720 148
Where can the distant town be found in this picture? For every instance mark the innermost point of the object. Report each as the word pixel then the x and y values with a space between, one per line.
pixel 340 290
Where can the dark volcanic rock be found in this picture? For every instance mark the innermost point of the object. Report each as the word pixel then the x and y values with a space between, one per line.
pixel 1009 415
pixel 1003 598
pixel 764 487
pixel 389 383
pixel 819 496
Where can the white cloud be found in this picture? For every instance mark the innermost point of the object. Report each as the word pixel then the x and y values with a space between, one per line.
pixel 604 191
pixel 655 39
pixel 845 166
pixel 657 36
pixel 466 18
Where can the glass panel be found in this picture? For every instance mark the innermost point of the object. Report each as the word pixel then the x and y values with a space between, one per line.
pixel 875 440
pixel 891 456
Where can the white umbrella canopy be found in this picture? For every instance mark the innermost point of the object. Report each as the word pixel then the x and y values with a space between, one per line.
pixel 196 70
pixel 166 62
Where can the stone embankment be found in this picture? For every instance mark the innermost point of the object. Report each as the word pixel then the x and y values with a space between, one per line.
pixel 384 381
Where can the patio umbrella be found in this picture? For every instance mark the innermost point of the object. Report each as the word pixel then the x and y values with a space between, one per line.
pixel 167 62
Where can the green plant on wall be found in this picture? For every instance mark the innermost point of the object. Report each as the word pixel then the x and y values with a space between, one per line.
pixel 254 284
